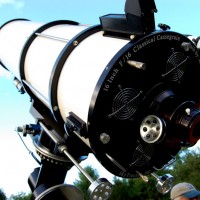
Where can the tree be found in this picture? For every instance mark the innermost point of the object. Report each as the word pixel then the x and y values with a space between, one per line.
pixel 120 189
pixel 83 184
pixel 187 167
pixel 130 189
pixel 20 196
pixel 2 195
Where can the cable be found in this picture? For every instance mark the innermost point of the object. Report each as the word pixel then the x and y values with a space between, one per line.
pixel 30 152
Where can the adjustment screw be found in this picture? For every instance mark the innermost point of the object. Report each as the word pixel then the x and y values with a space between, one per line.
pixel 19 129
pixel 75 43
pixel 132 37
pixel 62 148
pixel 104 138
pixel 55 108
pixel 186 46
pixel 188 111
pixel 164 27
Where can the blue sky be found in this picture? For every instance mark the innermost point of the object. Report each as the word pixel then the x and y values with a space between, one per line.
pixel 16 164
pixel 181 15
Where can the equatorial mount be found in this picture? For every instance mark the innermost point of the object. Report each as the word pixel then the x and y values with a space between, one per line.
pixel 99 189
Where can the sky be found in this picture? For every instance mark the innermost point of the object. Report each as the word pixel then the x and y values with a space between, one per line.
pixel 16 163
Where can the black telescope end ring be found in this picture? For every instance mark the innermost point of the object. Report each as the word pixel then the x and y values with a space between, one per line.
pixel 17 19
pixel 58 66
pixel 28 44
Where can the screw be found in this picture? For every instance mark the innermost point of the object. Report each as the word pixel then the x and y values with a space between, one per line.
pixel 186 46
pixel 104 138
pixel 75 43
pixel 188 111
pixel 55 108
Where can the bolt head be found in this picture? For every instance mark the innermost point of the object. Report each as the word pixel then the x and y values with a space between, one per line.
pixel 104 138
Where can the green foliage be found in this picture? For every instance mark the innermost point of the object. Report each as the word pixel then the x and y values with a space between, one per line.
pixel 186 168
pixel 21 196
pixel 83 184
pixel 120 189
pixel 130 189
pixel 2 195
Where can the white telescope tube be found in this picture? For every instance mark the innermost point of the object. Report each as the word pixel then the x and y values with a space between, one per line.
pixel 80 72
pixel 13 36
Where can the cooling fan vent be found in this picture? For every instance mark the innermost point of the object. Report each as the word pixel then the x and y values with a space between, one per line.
pixel 175 67
pixel 142 154
pixel 125 104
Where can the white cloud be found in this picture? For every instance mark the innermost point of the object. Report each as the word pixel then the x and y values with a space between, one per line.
pixel 17 4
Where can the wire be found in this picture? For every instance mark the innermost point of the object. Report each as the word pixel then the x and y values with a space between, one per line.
pixel 30 152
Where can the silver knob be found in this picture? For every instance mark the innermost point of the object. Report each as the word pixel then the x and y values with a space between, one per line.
pixel 100 189
pixel 164 183
pixel 151 129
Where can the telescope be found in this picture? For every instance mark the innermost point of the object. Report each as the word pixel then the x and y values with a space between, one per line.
pixel 120 90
